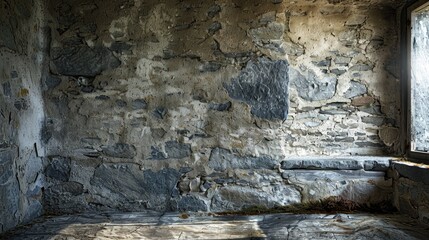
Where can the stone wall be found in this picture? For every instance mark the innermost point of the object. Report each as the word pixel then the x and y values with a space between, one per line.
pixel 23 48
pixel 196 105
pixel 411 189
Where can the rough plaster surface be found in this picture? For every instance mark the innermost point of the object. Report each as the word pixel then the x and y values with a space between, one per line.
pixel 199 103
pixel 23 48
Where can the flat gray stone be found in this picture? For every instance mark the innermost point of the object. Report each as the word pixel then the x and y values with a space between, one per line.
pixel 239 197
pixel 310 87
pixel 263 84
pixel 355 89
pixel 222 159
pixel 125 185
pixel 177 150
pixel 371 188
pixel 119 150
pixel 338 163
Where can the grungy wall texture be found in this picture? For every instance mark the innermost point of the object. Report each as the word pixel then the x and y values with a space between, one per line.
pixel 23 47
pixel 194 105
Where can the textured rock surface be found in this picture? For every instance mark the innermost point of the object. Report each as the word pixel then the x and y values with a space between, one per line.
pixel 200 226
pixel 130 185
pixel 339 163
pixel 357 186
pixel 411 189
pixel 310 87
pixel 222 160
pixel 23 50
pixel 82 60
pixel 264 85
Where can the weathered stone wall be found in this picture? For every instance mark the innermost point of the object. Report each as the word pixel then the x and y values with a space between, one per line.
pixel 195 104
pixel 23 48
pixel 411 189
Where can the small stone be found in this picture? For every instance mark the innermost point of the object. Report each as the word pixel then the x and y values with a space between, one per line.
pixel 355 89
pixel 342 61
pixel 389 135
pixel 377 121
pixel 221 107
pixel 194 184
pixel 156 154
pixel 337 71
pixel 323 63
pixel 21 104
pixel 310 87
pixel 266 34
pixel 160 112
pixel 205 186
pixel 360 67
pixel 371 109
pixel 214 27
pixel 210 67
pixel 52 81
pixel 267 17
pixel 362 101
pixel 293 49
pixel 119 150
pixel 214 10
pixel 158 133
pixel 7 91
pixel 276 1
pixel 87 89
pixel 121 103
pixel 177 150
pixel 102 97
pixel 139 104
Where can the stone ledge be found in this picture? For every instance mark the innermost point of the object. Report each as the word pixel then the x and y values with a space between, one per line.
pixel 414 171
pixel 366 163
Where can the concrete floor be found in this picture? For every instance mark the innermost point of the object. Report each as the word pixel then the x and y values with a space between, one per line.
pixel 152 225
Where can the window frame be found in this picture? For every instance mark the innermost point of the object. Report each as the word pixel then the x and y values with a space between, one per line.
pixel 406 15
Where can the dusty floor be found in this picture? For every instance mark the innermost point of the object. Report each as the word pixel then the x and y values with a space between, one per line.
pixel 151 225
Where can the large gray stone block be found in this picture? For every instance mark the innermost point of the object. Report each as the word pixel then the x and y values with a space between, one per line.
pixel 355 185
pixel 125 185
pixel 338 163
pixel 222 159
pixel 81 60
pixel 239 197
pixel 263 84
